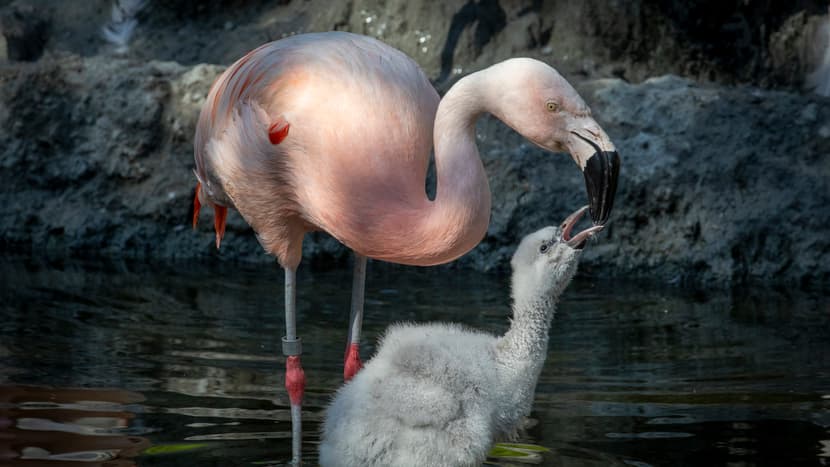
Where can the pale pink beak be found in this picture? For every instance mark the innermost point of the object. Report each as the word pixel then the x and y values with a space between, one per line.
pixel 577 241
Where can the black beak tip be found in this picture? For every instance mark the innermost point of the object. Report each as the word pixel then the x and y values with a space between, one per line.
pixel 601 173
pixel 596 218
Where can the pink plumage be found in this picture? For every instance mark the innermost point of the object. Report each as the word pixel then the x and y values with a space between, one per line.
pixel 356 155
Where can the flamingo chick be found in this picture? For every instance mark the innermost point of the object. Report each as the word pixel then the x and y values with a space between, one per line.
pixel 333 131
pixel 440 394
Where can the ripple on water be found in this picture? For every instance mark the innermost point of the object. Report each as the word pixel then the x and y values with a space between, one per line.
pixel 636 374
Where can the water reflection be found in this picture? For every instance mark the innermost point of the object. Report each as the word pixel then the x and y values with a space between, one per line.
pixel 636 375
pixel 57 426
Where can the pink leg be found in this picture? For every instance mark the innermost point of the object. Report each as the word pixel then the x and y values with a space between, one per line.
pixel 294 379
pixel 352 363
pixel 295 385
pixel 292 348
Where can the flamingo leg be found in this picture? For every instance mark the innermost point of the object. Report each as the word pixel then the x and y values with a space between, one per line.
pixel 352 363
pixel 292 348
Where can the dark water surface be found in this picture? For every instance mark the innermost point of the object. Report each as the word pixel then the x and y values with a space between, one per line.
pixel 123 365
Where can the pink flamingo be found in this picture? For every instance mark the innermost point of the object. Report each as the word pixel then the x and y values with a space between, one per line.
pixel 332 132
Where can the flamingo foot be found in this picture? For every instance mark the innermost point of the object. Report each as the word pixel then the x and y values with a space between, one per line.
pixel 220 218
pixel 352 362
pixel 196 205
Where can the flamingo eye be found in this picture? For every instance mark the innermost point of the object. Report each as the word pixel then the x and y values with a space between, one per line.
pixel 552 106
pixel 544 247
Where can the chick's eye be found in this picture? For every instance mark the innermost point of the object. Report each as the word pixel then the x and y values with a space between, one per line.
pixel 543 248
pixel 552 106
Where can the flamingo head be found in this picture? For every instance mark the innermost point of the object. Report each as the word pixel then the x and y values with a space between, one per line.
pixel 548 111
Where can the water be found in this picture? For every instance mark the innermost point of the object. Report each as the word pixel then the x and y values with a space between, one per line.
pixel 118 365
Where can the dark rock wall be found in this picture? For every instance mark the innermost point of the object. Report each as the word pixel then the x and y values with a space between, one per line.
pixel 724 176
pixel 762 42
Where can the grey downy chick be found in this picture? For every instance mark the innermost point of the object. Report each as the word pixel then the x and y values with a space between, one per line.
pixel 440 394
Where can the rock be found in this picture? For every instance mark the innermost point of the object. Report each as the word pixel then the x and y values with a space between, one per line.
pixel 23 33
pixel 768 43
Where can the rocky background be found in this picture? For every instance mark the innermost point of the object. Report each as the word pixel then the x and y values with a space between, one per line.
pixel 725 146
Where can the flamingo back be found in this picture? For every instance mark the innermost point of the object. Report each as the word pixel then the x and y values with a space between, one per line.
pixel 359 118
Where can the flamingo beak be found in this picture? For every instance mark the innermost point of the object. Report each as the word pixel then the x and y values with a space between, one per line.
pixel 577 241
pixel 596 155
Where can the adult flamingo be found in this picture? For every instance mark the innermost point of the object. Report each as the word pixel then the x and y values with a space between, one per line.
pixel 332 131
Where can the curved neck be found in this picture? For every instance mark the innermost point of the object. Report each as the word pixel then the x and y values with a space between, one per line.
pixel 525 343
pixel 457 219
pixel 421 232
pixel 520 356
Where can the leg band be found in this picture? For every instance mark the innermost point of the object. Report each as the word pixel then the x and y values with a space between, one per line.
pixel 292 347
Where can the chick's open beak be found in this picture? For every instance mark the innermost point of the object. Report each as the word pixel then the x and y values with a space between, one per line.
pixel 577 241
